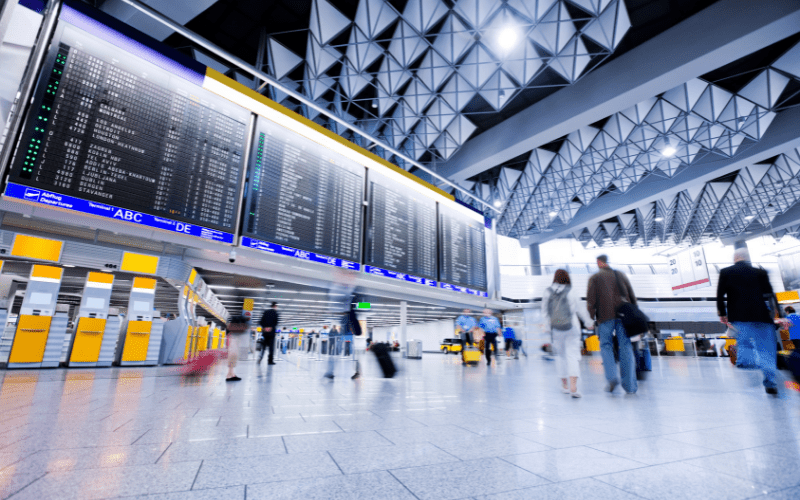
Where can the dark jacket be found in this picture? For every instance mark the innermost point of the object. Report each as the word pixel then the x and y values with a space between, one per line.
pixel 269 320
pixel 603 296
pixel 747 289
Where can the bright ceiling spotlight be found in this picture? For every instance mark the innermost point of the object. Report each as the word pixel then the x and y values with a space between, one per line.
pixel 497 203
pixel 659 219
pixel 750 217
pixel 669 151
pixel 507 38
pixel 553 213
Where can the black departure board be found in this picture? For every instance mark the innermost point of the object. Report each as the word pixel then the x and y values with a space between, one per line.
pixel 401 228
pixel 302 194
pixel 462 249
pixel 111 127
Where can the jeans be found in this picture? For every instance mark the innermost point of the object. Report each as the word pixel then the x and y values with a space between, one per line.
pixel 489 339
pixel 762 335
pixel 627 362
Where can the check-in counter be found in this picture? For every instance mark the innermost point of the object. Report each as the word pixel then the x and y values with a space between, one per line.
pixel 96 335
pixel 142 339
pixel 202 338
pixel 40 333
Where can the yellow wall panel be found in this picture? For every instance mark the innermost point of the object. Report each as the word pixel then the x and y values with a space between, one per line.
pixel 139 263
pixel 37 248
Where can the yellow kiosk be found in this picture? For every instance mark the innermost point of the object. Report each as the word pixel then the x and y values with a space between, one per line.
pixel 96 334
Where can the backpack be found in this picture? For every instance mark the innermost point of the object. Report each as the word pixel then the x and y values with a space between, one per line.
pixel 558 309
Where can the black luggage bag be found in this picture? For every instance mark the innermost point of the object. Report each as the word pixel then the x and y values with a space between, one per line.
pixel 382 352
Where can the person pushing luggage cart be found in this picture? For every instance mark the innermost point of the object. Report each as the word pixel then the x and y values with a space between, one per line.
pixel 466 325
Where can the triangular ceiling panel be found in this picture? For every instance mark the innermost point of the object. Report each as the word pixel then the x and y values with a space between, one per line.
pixel 326 21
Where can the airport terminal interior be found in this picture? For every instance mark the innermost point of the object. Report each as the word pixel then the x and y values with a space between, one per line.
pixel 401 249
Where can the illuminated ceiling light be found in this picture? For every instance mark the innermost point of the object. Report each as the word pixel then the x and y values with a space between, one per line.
pixel 668 151
pixel 659 219
pixel 749 217
pixel 497 203
pixel 553 213
pixel 507 38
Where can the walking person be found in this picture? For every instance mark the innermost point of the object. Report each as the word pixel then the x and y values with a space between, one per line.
pixel 491 327
pixel 269 322
pixel 466 325
pixel 606 292
pixel 510 338
pixel 749 301
pixel 561 311
pixel 238 329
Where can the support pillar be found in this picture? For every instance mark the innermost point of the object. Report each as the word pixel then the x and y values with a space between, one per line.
pixel 536 260
pixel 403 322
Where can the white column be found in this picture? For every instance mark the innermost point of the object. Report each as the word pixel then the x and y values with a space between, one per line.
pixel 403 320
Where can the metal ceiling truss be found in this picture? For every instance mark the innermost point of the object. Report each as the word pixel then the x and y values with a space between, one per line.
pixel 730 208
pixel 406 77
pixel 659 136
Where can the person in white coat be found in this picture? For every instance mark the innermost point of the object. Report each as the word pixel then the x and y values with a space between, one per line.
pixel 561 309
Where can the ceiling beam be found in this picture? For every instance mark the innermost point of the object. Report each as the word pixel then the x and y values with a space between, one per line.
pixel 718 35
pixel 787 219
pixel 782 135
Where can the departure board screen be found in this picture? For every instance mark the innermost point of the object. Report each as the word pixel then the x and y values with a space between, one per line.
pixel 302 194
pixel 401 228
pixel 462 249
pixel 108 126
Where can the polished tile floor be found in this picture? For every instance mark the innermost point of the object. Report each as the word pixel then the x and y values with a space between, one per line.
pixel 698 428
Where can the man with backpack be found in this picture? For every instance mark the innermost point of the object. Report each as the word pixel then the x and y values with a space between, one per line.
pixel 608 289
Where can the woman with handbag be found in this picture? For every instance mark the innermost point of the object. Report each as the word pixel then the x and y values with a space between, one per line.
pixel 238 328
pixel 561 311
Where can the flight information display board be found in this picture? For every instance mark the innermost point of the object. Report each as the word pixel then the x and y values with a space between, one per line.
pixel 108 126
pixel 302 194
pixel 462 248
pixel 401 228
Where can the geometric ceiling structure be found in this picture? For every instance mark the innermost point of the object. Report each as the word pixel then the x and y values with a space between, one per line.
pixel 660 136
pixel 406 76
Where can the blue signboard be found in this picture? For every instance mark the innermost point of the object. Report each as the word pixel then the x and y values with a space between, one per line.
pixel 399 276
pixel 265 246
pixel 52 199
pixel 463 289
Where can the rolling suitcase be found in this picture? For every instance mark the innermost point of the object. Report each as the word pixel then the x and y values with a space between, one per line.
pixel 471 354
pixel 382 352
pixel 644 362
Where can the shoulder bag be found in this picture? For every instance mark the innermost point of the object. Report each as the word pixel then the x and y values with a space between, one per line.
pixel 633 319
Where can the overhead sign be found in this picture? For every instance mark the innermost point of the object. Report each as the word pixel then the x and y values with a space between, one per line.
pixel 49 198
pixel 689 270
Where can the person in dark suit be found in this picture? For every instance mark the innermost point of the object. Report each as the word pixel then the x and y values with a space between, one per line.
pixel 748 292
pixel 269 321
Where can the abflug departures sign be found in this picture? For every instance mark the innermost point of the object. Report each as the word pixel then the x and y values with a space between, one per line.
pixel 112 134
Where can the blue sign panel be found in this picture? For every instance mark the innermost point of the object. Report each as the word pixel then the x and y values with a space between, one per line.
pixel 463 289
pixel 51 199
pixel 399 276
pixel 265 246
